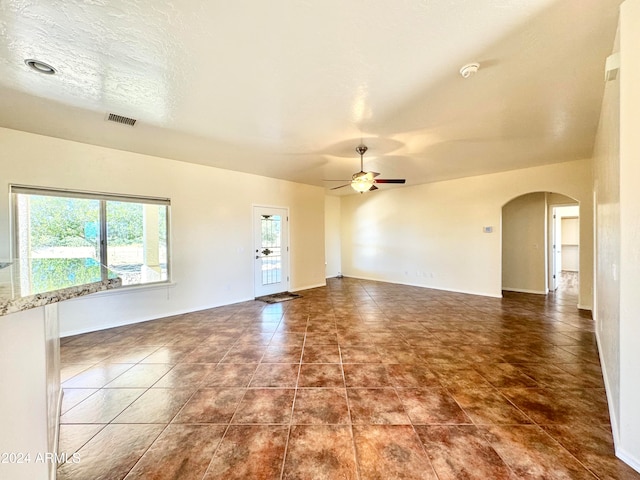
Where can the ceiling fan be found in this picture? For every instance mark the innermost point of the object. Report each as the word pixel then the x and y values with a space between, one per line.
pixel 365 181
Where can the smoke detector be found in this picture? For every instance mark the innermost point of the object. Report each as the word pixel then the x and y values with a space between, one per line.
pixel 469 69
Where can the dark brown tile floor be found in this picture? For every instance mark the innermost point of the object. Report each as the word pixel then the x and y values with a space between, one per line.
pixel 358 380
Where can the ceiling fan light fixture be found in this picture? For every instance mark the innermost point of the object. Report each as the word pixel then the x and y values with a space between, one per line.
pixel 362 181
pixel 362 184
pixel 365 181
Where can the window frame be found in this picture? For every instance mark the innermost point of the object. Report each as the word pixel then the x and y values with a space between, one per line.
pixel 103 198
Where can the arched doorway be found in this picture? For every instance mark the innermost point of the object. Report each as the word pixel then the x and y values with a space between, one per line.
pixel 540 244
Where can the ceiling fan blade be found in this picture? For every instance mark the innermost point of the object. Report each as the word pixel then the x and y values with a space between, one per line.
pixel 373 187
pixel 375 174
pixel 341 186
pixel 389 180
pixel 335 180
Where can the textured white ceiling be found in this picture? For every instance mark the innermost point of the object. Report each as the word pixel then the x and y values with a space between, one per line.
pixel 287 88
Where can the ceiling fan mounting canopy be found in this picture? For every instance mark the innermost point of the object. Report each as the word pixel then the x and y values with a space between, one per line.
pixel 362 149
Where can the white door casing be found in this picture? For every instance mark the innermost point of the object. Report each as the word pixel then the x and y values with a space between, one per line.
pixel 271 250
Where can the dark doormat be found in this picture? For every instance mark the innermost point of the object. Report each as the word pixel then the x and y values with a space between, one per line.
pixel 278 297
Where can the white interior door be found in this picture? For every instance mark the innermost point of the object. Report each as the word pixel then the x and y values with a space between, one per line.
pixel 271 231
pixel 558 247
pixel 553 252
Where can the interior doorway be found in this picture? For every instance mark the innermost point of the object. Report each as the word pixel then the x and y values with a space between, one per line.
pixel 564 249
pixel 271 244
pixel 537 256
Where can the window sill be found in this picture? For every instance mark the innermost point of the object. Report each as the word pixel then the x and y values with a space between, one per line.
pixel 135 288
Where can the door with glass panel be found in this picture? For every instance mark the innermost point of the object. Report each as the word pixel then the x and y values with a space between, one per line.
pixel 271 250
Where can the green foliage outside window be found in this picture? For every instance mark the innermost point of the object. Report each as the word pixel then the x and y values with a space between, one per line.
pixel 60 222
pixel 61 234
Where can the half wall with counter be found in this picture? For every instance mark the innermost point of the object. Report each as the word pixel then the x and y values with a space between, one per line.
pixel 30 362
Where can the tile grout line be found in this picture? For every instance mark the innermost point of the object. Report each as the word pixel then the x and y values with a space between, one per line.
pixel 413 427
pixel 477 426
pixel 230 422
pixel 293 404
pixel 159 434
pixel 204 474
pixel 372 323
pixel 346 394
pixel 102 388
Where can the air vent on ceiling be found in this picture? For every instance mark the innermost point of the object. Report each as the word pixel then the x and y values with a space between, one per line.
pixel 120 119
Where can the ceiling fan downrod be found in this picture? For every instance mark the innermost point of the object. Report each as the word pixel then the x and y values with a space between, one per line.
pixel 361 149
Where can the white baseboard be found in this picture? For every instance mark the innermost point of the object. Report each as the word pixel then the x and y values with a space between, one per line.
pixel 309 287
pixel 97 328
pixel 585 307
pixel 127 290
pixel 628 459
pixel 607 388
pixel 523 290
pixel 431 287
pixel 620 452
pixel 56 433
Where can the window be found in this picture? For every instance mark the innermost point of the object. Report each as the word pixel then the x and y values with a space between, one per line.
pixel 57 230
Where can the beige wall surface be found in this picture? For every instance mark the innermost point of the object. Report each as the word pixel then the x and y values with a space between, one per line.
pixel 607 232
pixel 570 231
pixel 629 445
pixel 570 240
pixel 557 199
pixel 211 224
pixel 524 244
pixel 617 260
pixel 332 236
pixel 432 235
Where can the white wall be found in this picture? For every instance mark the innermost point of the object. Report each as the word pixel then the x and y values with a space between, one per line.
pixel 432 235
pixel 524 221
pixel 617 260
pixel 24 406
pixel 211 224
pixel 629 445
pixel 607 233
pixel 333 257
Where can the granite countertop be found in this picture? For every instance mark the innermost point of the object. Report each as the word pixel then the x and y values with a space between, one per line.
pixel 26 284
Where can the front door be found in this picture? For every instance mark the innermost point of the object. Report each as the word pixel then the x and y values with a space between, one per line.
pixel 271 250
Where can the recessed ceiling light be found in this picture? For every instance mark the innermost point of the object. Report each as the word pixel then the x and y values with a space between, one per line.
pixel 40 67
